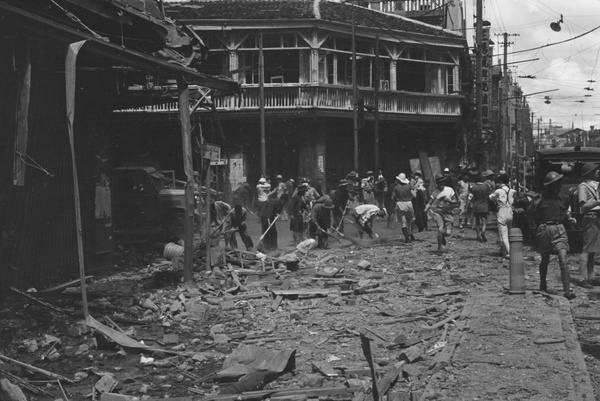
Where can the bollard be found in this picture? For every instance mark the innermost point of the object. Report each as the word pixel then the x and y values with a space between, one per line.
pixel 516 269
pixel 175 252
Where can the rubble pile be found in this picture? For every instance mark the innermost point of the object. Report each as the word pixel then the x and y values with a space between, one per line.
pixel 306 324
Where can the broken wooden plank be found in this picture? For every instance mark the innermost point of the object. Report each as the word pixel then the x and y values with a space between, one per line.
pixel 388 380
pixel 287 283
pixel 376 334
pixel 46 304
pixel 315 291
pixel 62 286
pixel 588 317
pixel 403 320
pixel 443 322
pixel 36 369
pixel 366 347
pixel 542 341
pixel 444 292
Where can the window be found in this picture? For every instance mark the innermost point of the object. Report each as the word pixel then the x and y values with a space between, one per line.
pixel 450 86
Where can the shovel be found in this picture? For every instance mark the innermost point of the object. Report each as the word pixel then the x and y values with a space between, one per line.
pixel 355 242
pixel 325 232
pixel 267 230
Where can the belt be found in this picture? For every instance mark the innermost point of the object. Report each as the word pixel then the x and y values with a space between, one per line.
pixel 551 223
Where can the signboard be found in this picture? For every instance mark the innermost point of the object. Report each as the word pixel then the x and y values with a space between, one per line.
pixel 211 151
pixel 218 162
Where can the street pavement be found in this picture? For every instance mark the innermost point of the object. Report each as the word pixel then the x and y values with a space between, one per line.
pixel 507 347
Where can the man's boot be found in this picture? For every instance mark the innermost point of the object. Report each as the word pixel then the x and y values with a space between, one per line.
pixel 405 232
pixel 565 276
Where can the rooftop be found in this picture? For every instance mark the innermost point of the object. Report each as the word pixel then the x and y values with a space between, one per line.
pixel 300 10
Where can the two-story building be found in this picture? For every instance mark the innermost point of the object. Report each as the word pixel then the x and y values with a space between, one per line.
pixel 294 61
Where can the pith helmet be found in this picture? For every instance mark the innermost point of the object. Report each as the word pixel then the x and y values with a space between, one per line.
pixel 552 177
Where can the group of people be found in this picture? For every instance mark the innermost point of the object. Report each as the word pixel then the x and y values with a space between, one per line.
pixel 543 218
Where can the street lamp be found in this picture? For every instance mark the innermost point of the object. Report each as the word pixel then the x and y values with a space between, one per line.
pixel 556 25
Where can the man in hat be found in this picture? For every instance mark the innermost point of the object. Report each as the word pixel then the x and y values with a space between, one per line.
pixel 589 205
pixel 238 222
pixel 363 216
pixel 278 189
pixel 550 210
pixel 262 193
pixel 464 209
pixel 299 212
pixel 380 189
pixel 479 198
pixel 504 197
pixel 442 203
pixel 354 187
pixel 448 176
pixel 367 186
pixel 340 205
pixel 420 200
pixel 403 195
pixel 268 217
pixel 320 221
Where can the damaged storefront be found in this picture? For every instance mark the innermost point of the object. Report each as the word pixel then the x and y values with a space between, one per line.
pixel 68 65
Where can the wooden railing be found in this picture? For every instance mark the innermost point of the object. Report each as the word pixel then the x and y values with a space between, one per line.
pixel 297 96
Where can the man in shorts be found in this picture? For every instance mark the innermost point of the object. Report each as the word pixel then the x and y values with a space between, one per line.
pixel 589 205
pixel 442 204
pixel 549 211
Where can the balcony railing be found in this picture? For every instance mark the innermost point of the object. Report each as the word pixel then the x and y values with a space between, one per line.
pixel 295 96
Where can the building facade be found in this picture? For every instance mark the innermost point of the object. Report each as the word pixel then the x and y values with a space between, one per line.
pixel 294 61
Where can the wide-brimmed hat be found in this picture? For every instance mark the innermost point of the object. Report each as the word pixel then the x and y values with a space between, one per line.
pixel 446 170
pixel 402 178
pixel 417 172
pixel 370 172
pixel 262 180
pixel 439 178
pixel 279 176
pixel 487 173
pixel 352 174
pixel 588 168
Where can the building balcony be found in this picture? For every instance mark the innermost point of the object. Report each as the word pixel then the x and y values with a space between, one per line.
pixel 329 98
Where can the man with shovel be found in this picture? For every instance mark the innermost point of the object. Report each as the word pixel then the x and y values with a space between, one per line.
pixel 268 217
pixel 363 215
pixel 320 222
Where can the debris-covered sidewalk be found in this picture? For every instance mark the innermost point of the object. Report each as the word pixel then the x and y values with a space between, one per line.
pixel 299 325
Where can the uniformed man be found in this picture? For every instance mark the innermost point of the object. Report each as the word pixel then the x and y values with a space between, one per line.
pixel 589 205
pixel 550 210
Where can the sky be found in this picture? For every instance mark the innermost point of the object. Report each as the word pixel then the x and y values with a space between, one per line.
pixel 570 67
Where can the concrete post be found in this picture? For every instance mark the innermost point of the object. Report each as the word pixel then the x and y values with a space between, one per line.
pixel 517 273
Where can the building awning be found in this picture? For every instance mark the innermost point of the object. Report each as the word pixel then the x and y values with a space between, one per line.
pixel 39 26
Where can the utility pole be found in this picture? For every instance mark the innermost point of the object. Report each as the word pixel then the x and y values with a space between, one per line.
pixel 376 96
pixel 506 142
pixel 261 86
pixel 354 92
pixel 478 72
